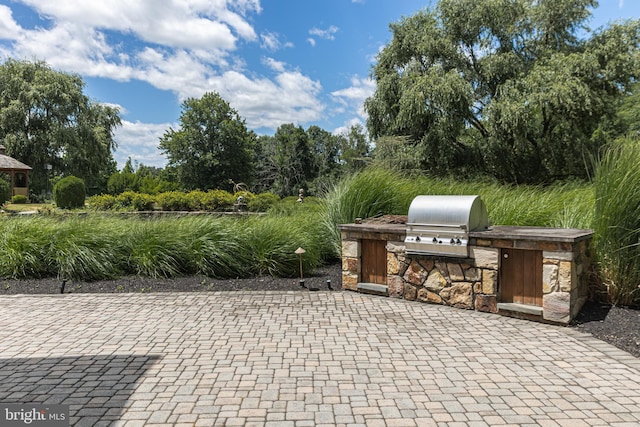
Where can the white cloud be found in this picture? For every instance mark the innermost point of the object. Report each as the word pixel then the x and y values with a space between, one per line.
pixel 9 28
pixel 346 127
pixel 271 41
pixel 354 96
pixel 177 23
pixel 311 41
pixel 140 142
pixel 183 46
pixel 266 103
pixel 274 65
pixel 328 34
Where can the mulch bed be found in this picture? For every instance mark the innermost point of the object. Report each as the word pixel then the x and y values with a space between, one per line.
pixel 619 326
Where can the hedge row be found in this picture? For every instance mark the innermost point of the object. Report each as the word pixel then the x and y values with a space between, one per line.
pixel 210 201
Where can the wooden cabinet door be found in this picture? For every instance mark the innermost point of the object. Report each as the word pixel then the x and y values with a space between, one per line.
pixel 521 277
pixel 374 261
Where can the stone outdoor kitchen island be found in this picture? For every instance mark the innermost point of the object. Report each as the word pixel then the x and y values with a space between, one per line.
pixel 531 272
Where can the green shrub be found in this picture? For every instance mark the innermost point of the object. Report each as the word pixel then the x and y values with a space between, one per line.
pixel 218 201
pixel 263 202
pixel 5 191
pixel 174 201
pixel 119 182
pixel 131 200
pixel 150 185
pixel 195 200
pixel 102 202
pixel 19 199
pixel 69 193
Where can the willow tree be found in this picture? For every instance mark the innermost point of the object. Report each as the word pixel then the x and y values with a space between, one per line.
pixel 515 88
pixel 45 119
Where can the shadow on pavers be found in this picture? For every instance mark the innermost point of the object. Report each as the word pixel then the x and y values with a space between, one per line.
pixel 96 387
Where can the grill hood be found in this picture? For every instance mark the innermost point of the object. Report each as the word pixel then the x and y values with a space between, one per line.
pixel 440 225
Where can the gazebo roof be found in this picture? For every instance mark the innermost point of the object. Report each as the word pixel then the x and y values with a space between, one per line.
pixel 9 163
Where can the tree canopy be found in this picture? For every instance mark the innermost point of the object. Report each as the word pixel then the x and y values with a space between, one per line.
pixel 514 88
pixel 313 159
pixel 45 119
pixel 212 146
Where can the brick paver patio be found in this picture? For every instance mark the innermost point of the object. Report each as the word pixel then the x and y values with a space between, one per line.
pixel 304 359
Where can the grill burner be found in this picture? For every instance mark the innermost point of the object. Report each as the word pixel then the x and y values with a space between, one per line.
pixel 440 225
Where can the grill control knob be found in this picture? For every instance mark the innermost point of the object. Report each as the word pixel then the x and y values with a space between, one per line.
pixel 458 242
pixel 417 238
pixel 435 240
pixel 452 242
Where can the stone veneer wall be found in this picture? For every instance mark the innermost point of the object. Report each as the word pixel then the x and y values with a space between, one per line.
pixel 473 283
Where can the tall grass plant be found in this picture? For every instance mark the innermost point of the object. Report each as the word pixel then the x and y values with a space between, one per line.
pixel 96 246
pixel 617 221
pixel 376 191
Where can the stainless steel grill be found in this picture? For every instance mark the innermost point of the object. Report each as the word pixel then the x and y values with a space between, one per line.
pixel 440 225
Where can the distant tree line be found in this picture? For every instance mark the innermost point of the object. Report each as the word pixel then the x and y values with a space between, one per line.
pixel 517 90
pixel 47 122
pixel 213 148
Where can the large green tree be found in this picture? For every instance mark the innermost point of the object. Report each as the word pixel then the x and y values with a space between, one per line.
pixel 212 148
pixel 287 160
pixel 45 119
pixel 354 149
pixel 515 88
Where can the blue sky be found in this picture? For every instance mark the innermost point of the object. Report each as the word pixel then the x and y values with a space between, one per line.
pixel 275 61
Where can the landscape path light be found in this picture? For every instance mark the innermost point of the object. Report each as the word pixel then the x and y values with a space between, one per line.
pixel 301 251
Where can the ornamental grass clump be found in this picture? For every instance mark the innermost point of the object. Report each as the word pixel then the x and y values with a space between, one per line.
pixel 366 194
pixel 617 222
pixel 272 242
pixel 23 245
pixel 362 195
pixel 159 248
pixel 218 247
pixel 98 247
pixel 86 248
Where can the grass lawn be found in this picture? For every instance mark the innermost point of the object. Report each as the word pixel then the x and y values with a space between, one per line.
pixel 24 207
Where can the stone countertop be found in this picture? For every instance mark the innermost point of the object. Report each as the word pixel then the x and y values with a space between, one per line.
pixel 374 227
pixel 506 232
pixel 513 232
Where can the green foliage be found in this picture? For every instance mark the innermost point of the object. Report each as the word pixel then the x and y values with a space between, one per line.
pixel 210 201
pixel 287 162
pixel 120 182
pixel 217 200
pixel 45 119
pixel 102 247
pixel 69 193
pixel 212 146
pixel 135 201
pixel 263 202
pixel 354 149
pixel 19 199
pixel 313 159
pixel 379 191
pixel 5 191
pixel 502 87
pixel 174 201
pixel 156 185
pixel 361 195
pixel 617 221
pixel 102 202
